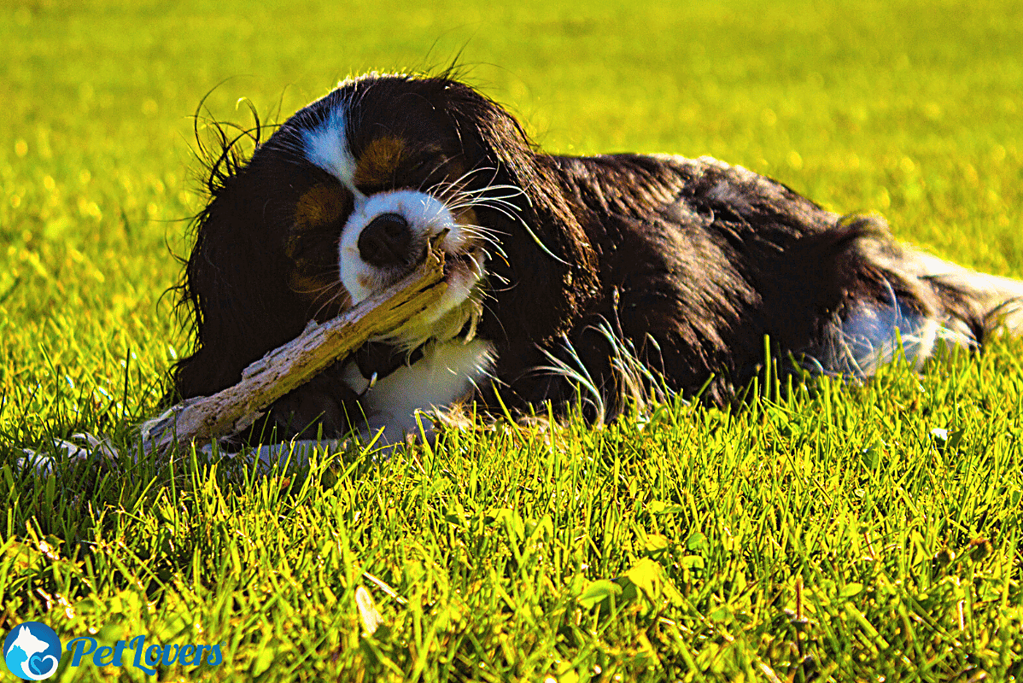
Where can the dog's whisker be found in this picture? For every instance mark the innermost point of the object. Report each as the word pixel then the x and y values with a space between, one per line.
pixel 485 236
pixel 506 211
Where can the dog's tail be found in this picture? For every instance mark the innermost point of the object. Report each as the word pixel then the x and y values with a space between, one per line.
pixel 987 304
pixel 908 302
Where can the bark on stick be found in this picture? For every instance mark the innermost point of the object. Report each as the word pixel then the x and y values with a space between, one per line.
pixel 295 363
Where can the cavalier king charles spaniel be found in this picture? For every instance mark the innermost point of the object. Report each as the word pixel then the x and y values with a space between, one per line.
pixel 556 267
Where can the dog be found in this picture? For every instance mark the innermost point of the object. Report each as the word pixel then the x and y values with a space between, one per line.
pixel 557 268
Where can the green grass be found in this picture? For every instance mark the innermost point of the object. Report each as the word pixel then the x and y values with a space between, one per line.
pixel 825 534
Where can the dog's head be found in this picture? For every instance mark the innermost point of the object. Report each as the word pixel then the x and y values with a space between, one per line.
pixel 342 201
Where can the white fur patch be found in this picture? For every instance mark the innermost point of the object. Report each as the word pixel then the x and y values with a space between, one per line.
pixel 873 335
pixel 446 373
pixel 327 147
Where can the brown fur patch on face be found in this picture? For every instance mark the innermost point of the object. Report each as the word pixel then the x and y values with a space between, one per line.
pixel 321 205
pixel 378 163
pixel 319 216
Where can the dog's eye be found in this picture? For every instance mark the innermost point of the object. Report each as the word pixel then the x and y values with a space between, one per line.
pixel 422 169
pixel 422 165
pixel 413 175
pixel 378 173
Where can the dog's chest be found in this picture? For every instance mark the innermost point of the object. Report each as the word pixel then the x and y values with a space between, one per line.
pixel 446 373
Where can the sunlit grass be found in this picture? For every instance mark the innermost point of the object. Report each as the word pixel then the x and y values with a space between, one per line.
pixel 831 532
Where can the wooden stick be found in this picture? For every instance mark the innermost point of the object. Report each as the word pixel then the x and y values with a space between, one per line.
pixel 295 363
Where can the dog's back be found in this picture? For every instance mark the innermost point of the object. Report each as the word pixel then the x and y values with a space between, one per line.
pixel 701 261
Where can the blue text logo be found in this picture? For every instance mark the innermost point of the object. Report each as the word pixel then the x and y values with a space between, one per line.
pixel 32 652
pixel 146 657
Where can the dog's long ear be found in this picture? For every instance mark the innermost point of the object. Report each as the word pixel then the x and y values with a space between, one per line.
pixel 235 285
pixel 548 259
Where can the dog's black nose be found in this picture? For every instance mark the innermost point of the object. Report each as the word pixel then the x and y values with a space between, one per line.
pixel 386 241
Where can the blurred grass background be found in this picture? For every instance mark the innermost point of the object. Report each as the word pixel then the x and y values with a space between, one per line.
pixel 910 108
